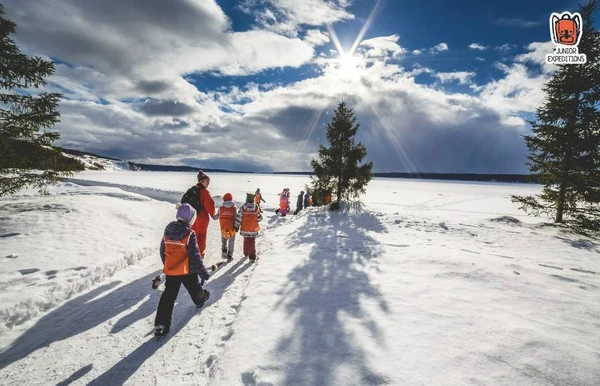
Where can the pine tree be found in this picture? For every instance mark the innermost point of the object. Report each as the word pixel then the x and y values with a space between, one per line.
pixel 564 145
pixel 26 155
pixel 337 169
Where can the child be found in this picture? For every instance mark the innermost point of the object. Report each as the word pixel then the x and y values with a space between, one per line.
pixel 182 265
pixel 284 202
pixel 246 221
pixel 258 198
pixel 200 199
pixel 226 216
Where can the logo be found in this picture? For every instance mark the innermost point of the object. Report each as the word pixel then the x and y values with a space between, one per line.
pixel 566 32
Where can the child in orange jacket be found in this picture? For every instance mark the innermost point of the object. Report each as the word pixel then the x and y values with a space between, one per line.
pixel 246 221
pixel 182 265
pixel 226 216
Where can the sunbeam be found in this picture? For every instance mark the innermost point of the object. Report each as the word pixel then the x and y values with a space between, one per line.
pixel 400 150
pixel 364 28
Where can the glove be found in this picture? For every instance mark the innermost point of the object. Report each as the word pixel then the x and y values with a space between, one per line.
pixel 214 217
pixel 156 282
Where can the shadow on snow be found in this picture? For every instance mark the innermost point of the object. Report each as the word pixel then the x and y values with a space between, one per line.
pixel 326 295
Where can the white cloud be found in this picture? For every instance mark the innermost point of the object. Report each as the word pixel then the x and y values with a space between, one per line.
pixel 463 77
pixel 521 90
pixel 479 59
pixel 315 37
pixel 505 47
pixel 287 16
pixel 383 46
pixel 439 48
pixel 477 46
pixel 417 52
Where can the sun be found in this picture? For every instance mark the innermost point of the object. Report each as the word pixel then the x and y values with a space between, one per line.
pixel 348 65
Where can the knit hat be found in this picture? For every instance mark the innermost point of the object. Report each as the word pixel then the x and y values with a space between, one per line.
pixel 227 197
pixel 249 198
pixel 202 176
pixel 186 213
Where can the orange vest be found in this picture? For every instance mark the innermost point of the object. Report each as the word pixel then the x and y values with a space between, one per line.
pixel 249 221
pixel 226 217
pixel 257 198
pixel 177 261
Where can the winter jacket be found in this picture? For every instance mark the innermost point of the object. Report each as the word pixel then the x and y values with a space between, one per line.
pixel 247 220
pixel 306 200
pixel 179 251
pixel 226 216
pixel 258 198
pixel 204 205
pixel 299 202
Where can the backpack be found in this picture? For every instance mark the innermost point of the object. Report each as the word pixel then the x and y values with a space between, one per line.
pixel 192 197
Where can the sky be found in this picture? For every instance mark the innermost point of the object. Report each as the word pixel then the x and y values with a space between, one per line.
pixel 251 85
pixel 449 284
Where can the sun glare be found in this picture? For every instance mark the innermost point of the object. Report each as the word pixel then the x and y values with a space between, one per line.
pixel 348 65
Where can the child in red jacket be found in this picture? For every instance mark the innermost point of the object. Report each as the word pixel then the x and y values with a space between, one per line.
pixel 200 199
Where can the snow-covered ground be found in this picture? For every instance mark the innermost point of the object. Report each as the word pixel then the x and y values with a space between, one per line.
pixel 424 283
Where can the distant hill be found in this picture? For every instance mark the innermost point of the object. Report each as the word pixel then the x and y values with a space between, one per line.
pixel 97 162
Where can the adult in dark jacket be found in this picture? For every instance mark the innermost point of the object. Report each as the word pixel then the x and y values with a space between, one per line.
pixel 299 203
pixel 182 264
pixel 200 199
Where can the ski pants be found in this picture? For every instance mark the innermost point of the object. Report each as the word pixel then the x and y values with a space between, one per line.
pixel 167 300
pixel 298 209
pixel 227 245
pixel 250 247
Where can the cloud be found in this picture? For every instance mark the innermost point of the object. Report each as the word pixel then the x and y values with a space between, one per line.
pixel 463 77
pixel 477 46
pixel 166 108
pixel 517 23
pixel 505 47
pixel 521 89
pixel 315 37
pixel 439 48
pixel 134 98
pixel 287 16
pixel 383 46
pixel 138 47
pixel 479 59
pixel 417 52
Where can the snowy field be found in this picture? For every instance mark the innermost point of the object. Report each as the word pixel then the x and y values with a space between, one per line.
pixel 425 283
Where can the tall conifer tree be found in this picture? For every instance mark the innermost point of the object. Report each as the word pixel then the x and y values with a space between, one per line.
pixel 565 142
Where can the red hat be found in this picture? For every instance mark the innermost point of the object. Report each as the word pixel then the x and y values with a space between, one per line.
pixel 227 197
pixel 202 176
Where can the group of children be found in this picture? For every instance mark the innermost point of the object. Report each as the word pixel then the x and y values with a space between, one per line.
pixel 183 243
pixel 184 240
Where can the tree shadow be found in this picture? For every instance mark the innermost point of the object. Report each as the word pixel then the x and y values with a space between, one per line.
pixel 581 243
pixel 326 292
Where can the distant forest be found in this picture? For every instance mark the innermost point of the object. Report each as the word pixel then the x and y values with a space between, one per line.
pixel 520 178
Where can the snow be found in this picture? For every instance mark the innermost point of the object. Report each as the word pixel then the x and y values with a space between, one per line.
pixel 423 283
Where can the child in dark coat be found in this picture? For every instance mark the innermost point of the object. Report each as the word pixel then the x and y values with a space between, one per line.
pixel 182 265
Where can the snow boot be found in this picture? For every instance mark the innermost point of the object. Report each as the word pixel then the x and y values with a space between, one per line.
pixel 223 253
pixel 161 330
pixel 206 296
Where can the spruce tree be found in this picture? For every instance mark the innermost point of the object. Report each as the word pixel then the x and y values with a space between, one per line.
pixel 337 170
pixel 564 145
pixel 26 155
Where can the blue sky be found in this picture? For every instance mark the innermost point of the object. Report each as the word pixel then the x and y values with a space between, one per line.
pixel 249 85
